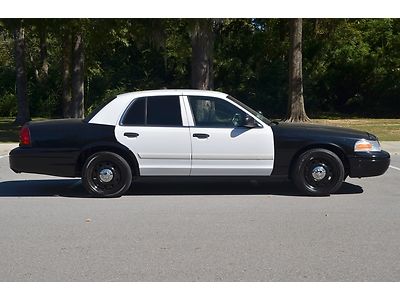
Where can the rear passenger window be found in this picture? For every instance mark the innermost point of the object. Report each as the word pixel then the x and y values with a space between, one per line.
pixel 136 113
pixel 154 111
pixel 164 110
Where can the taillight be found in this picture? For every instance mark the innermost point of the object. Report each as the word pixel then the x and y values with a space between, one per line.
pixel 24 136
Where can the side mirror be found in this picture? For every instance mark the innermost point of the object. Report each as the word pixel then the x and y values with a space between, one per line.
pixel 249 122
pixel 244 121
pixel 237 120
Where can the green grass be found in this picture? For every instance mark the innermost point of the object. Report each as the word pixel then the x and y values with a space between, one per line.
pixel 9 133
pixel 385 129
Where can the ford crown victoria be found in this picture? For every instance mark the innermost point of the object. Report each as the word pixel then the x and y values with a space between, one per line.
pixel 193 133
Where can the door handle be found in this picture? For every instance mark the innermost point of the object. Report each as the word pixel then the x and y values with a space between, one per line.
pixel 131 134
pixel 201 135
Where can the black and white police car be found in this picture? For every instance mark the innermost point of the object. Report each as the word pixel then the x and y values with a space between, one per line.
pixel 192 133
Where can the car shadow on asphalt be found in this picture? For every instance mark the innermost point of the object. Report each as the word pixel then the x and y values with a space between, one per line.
pixel 73 188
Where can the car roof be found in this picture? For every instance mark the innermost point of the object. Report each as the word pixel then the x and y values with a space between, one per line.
pixel 174 92
pixel 110 114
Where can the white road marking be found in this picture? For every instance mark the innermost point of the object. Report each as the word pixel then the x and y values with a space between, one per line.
pixel 396 168
pixel 2 156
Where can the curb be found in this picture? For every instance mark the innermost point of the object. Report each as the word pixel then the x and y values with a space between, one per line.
pixel 5 148
pixel 392 147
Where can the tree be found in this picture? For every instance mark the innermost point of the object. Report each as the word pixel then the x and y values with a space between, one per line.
pixel 23 114
pixel 349 66
pixel 41 66
pixel 66 74
pixel 44 64
pixel 77 77
pixel 296 111
pixel 202 40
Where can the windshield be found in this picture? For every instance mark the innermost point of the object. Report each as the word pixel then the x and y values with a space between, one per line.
pixel 256 113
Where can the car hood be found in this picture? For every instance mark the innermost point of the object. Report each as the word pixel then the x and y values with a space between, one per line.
pixel 307 129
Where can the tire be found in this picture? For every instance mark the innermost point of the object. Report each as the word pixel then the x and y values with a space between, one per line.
pixel 106 174
pixel 346 175
pixel 318 172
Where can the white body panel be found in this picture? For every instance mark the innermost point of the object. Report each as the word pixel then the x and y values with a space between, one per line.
pixel 232 152
pixel 235 151
pixel 111 113
pixel 160 151
pixel 173 151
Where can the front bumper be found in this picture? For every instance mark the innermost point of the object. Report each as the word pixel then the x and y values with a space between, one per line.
pixel 57 162
pixel 368 164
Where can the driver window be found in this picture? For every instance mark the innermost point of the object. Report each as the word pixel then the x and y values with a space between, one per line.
pixel 215 112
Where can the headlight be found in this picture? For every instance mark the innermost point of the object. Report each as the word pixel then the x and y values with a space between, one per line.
pixel 366 146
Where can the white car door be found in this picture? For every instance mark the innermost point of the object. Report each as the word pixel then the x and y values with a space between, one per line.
pixel 219 148
pixel 153 129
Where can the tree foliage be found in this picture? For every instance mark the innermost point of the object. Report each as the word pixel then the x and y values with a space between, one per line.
pixel 350 66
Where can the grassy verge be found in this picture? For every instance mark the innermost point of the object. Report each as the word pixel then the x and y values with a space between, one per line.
pixel 385 129
pixel 9 133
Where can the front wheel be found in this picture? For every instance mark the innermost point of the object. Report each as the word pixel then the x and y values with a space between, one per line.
pixel 318 172
pixel 106 174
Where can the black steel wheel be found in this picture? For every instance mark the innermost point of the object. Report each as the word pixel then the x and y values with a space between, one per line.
pixel 106 174
pixel 318 172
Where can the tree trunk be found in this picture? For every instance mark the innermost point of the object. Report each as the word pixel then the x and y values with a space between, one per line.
pixel 78 77
pixel 296 111
pixel 202 54
pixel 23 114
pixel 66 75
pixel 316 27
pixel 44 64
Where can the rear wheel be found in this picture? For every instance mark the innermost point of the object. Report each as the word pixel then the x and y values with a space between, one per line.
pixel 106 174
pixel 318 172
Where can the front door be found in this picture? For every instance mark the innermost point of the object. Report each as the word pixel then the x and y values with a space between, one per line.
pixel 153 130
pixel 221 148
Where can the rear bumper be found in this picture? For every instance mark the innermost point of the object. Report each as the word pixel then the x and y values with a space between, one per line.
pixel 57 162
pixel 369 164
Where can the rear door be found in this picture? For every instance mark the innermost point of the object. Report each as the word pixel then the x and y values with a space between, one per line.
pixel 153 129
pixel 219 148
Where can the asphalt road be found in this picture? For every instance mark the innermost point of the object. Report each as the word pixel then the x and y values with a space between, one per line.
pixel 199 231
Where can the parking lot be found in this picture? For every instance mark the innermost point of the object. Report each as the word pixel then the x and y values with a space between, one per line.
pixel 50 230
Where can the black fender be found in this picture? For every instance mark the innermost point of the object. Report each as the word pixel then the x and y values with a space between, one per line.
pixel 338 150
pixel 115 147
